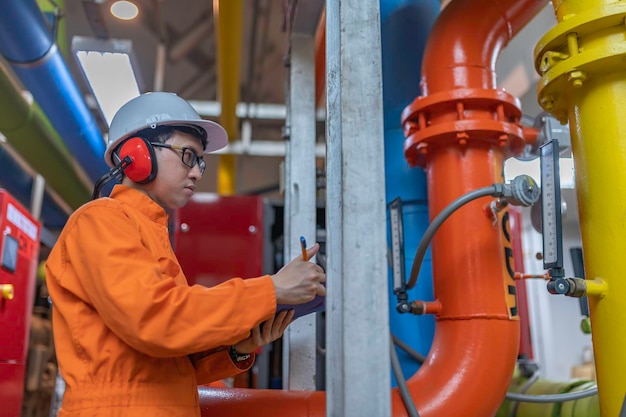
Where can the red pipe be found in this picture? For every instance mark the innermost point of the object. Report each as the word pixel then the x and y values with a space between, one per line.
pixel 459 131
pixel 320 60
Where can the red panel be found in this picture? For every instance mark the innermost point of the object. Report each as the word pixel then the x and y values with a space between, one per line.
pixel 220 237
pixel 19 228
pixel 11 388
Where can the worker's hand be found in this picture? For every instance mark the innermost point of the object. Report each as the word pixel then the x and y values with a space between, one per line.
pixel 299 281
pixel 267 332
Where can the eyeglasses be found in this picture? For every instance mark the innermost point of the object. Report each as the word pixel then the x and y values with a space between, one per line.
pixel 189 156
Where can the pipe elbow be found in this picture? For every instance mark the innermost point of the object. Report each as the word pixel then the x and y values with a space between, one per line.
pixel 468 359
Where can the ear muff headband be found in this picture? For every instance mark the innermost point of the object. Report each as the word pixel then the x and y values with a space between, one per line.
pixel 143 167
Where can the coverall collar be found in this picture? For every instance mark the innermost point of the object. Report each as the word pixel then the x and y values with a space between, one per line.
pixel 141 202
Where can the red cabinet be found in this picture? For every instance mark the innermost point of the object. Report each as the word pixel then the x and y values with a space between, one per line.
pixel 19 251
pixel 220 237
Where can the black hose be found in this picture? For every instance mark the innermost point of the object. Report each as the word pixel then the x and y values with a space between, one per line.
pixel 408 349
pixel 402 387
pixel 495 190
pixel 552 398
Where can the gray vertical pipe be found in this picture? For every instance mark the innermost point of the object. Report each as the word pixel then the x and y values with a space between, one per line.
pixel 358 378
pixel 299 348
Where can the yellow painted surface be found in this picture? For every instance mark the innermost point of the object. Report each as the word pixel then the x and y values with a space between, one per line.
pixel 228 15
pixel 584 83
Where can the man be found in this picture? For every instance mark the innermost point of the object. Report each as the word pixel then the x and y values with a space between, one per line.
pixel 132 338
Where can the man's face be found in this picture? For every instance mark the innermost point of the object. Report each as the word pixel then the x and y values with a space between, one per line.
pixel 175 182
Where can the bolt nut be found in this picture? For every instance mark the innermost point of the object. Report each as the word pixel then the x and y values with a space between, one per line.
pixel 576 78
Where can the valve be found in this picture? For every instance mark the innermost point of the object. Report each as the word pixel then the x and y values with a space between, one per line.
pixel 522 191
pixel 7 292
pixel 572 287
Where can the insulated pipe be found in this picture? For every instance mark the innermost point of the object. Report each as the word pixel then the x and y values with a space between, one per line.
pixel 26 44
pixel 581 62
pixel 477 334
pixel 538 387
pixel 30 134
pixel 228 17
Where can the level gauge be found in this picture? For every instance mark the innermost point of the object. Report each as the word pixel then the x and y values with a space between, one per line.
pixel 397 245
pixel 551 206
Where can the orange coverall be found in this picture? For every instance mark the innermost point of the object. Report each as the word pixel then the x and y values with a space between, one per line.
pixel 125 320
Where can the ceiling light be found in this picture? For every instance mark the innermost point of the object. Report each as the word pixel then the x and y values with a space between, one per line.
pixel 124 10
pixel 110 70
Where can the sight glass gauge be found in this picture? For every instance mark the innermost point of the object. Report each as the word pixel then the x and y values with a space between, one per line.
pixel 397 245
pixel 551 206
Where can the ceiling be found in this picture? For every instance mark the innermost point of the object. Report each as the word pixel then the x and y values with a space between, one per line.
pixel 185 30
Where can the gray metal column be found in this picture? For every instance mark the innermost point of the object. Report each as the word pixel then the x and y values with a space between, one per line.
pixel 299 340
pixel 357 346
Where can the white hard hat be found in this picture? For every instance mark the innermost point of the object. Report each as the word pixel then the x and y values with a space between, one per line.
pixel 151 110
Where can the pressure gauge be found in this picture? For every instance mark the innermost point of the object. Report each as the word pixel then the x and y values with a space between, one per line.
pixel 551 206
pixel 397 245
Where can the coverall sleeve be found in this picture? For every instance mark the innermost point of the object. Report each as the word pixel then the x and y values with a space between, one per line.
pixel 218 366
pixel 141 299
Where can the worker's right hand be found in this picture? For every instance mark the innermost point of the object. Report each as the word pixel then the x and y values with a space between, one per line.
pixel 299 281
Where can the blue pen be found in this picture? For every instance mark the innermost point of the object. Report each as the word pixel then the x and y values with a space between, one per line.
pixel 305 255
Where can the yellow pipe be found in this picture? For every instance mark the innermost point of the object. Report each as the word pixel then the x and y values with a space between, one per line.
pixel 584 82
pixel 596 288
pixel 228 15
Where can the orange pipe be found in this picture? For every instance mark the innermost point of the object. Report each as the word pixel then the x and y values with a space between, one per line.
pixel 460 134
pixel 466 40
pixel 460 131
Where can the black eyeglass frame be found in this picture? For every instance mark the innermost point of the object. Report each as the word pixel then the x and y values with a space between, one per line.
pixel 195 159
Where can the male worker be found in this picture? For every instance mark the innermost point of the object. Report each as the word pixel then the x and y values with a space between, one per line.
pixel 132 338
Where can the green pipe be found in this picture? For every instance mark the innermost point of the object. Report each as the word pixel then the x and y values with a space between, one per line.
pixel 29 132
pixel 584 407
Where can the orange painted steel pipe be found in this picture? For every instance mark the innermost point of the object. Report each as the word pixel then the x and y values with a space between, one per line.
pixel 467 39
pixel 460 131
pixel 237 402
pixel 466 132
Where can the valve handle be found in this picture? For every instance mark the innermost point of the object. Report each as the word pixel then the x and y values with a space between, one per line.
pixel 7 291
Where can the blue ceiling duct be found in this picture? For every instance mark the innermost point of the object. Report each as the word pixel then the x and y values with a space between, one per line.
pixel 27 44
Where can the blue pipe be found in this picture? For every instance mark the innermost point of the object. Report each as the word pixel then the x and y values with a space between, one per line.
pixel 27 44
pixel 405 26
pixel 20 184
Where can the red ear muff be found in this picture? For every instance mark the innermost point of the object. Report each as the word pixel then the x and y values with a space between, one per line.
pixel 143 167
